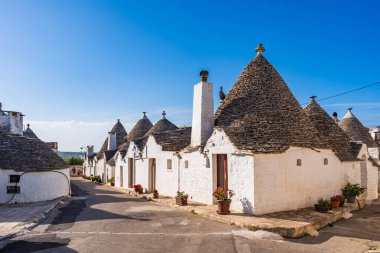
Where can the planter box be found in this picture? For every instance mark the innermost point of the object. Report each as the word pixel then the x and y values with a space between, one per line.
pixel 321 209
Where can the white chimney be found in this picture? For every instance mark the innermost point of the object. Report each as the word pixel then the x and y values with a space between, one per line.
pixel 11 122
pixel 111 141
pixel 203 111
pixel 90 150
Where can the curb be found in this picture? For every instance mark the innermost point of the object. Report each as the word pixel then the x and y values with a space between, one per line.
pixel 287 232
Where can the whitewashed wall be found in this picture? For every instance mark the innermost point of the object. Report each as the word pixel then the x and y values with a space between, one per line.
pixel 141 172
pixel 100 169
pixel 372 182
pixel 166 180
pixel 120 162
pixel 281 185
pixel 374 153
pixel 199 180
pixel 35 186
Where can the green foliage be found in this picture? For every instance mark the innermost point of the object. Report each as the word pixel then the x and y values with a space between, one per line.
pixel 111 180
pixel 352 190
pixel 74 161
pixel 323 203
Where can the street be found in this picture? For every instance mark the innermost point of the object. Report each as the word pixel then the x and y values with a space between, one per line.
pixel 100 219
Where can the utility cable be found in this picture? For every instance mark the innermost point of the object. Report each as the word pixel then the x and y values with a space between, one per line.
pixel 346 92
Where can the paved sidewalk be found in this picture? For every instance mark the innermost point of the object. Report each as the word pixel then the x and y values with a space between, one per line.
pixel 16 218
pixel 290 224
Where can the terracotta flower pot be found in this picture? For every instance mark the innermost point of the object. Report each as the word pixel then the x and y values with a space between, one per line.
pixel 155 195
pixel 334 204
pixel 322 209
pixel 224 206
pixel 180 202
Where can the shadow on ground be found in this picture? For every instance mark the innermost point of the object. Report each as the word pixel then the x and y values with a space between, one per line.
pixel 38 243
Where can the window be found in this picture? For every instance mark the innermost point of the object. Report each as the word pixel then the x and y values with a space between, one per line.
pixel 325 161
pixel 186 164
pixel 299 162
pixel 13 189
pixel 169 164
pixel 14 178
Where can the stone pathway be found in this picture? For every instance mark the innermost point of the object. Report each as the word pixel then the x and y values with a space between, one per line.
pixel 290 224
pixel 17 218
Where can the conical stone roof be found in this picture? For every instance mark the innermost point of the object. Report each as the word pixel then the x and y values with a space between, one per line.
pixel 163 125
pixel 330 131
pixel 29 132
pixel 25 154
pixel 355 129
pixel 119 129
pixel 261 114
pixel 140 129
pixel 136 134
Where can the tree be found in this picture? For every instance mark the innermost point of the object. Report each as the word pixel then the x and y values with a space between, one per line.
pixel 74 161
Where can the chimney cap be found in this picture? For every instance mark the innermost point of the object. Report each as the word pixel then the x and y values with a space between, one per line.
pixel 163 114
pixel 313 98
pixel 335 114
pixel 204 75
pixel 144 115
pixel 349 109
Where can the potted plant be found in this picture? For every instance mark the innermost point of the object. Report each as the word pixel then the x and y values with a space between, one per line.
pixel 111 181
pixel 155 194
pixel 139 188
pixel 335 201
pixel 323 205
pixel 223 198
pixel 342 200
pixel 351 191
pixel 181 198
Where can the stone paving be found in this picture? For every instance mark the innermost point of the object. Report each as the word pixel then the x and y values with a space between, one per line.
pixel 17 217
pixel 290 224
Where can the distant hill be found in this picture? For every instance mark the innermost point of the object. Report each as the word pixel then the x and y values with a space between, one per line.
pixel 65 155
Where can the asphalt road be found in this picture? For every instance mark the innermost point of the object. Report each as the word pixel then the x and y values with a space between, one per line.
pixel 100 219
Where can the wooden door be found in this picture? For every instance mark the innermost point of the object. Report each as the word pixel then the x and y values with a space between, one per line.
pixel 222 171
pixel 152 174
pixel 121 177
pixel 130 173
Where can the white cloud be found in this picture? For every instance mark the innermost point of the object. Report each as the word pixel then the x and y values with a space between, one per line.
pixel 73 134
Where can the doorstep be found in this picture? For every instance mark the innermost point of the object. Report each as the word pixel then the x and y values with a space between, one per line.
pixel 289 224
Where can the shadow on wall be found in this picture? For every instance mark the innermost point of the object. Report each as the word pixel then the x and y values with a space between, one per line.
pixel 247 206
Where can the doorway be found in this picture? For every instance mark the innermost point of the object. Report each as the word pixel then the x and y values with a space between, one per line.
pixel 363 171
pixel 152 174
pixel 130 173
pixel 121 177
pixel 221 171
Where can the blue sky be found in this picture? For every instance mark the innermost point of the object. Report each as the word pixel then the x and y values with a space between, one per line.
pixel 74 67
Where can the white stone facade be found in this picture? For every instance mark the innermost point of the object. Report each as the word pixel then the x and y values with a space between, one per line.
pixel 36 186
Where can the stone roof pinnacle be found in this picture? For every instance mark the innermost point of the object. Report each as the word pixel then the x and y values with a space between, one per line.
pixel 260 49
